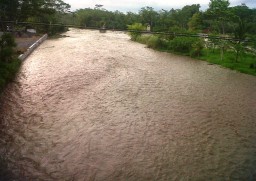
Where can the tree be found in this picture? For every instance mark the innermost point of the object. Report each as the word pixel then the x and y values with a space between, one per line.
pixel 241 17
pixel 219 12
pixel 252 23
pixel 131 18
pixel 21 10
pixel 181 17
pixel 196 22
pixel 148 16
pixel 164 20
pixel 8 9
pixel 186 13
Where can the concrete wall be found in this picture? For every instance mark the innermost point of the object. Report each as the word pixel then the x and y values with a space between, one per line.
pixel 33 47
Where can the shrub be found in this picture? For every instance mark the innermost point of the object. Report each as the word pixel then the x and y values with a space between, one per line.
pixel 7 43
pixel 187 45
pixel 177 29
pixel 197 49
pixel 154 42
pixel 135 28
pixel 9 64
pixel 8 71
pixel 57 29
pixel 143 39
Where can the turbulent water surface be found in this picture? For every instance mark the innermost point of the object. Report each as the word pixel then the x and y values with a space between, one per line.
pixel 94 106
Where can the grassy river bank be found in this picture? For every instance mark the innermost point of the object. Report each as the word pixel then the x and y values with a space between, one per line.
pixel 220 53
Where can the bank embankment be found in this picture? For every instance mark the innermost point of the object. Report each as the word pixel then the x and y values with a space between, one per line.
pixel 202 49
pixel 9 66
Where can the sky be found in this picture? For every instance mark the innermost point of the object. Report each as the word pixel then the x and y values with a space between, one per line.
pixel 136 5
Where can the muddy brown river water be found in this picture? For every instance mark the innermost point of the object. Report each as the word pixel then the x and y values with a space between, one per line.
pixel 100 107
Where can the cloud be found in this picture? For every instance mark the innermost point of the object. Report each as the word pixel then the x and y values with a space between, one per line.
pixel 135 5
pixel 250 3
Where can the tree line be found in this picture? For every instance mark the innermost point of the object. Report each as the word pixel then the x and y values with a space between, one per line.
pixel 237 23
pixel 219 18
pixel 44 11
pixel 24 10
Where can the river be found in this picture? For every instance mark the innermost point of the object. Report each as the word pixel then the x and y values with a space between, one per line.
pixel 97 106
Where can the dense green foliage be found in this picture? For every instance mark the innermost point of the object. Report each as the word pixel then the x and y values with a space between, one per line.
pixel 219 18
pixel 7 43
pixel 9 64
pixel 196 47
pixel 33 11
pixel 22 10
pixel 184 45
pixel 136 30
pixel 190 46
pixel 8 71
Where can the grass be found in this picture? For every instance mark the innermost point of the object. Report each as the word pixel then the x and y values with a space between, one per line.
pixel 243 65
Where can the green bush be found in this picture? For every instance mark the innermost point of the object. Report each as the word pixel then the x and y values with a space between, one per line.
pixel 154 42
pixel 135 30
pixel 8 71
pixel 186 45
pixel 177 29
pixel 9 64
pixel 143 39
pixel 197 49
pixel 57 29
pixel 7 43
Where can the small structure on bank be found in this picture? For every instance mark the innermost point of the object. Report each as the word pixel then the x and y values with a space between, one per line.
pixel 103 29
pixel 148 28
pixel 32 31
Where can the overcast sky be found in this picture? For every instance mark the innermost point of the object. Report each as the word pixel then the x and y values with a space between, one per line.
pixel 135 5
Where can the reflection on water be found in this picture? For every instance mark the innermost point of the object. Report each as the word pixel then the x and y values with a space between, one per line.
pixel 99 107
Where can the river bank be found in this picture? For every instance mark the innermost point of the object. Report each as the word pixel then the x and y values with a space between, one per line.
pixel 196 48
pixel 24 46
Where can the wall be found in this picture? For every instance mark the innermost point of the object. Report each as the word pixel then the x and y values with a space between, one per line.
pixel 33 47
